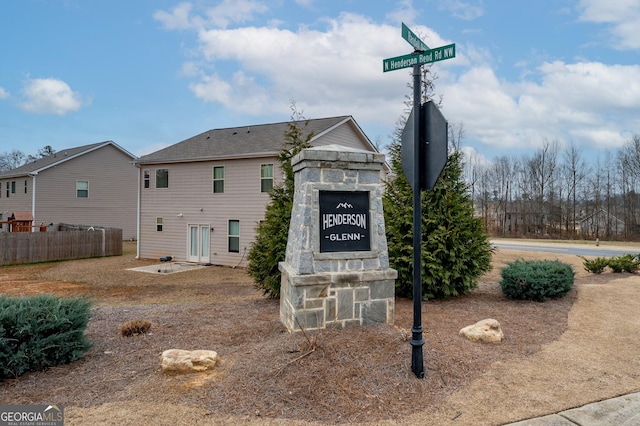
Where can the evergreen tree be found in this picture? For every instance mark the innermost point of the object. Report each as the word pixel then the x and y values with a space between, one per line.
pixel 270 245
pixel 455 246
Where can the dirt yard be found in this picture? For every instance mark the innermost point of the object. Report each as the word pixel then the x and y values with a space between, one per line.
pixel 556 355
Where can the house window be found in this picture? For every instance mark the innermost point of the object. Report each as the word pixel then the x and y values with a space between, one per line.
pixel 0 214
pixel 162 178
pixel 13 186
pixel 82 189
pixel 159 224
pixel 25 186
pixel 218 180
pixel 234 236
pixel 147 179
pixel 8 189
pixel 266 177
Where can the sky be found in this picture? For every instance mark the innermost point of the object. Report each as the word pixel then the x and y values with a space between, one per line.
pixel 150 73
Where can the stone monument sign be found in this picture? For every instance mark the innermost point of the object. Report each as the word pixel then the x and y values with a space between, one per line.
pixel 336 270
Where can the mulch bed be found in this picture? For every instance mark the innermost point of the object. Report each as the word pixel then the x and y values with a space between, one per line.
pixel 332 376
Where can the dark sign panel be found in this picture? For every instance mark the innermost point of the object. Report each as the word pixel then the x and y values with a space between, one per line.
pixel 435 143
pixel 344 221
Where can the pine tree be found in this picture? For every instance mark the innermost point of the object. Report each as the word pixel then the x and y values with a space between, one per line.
pixel 455 246
pixel 269 247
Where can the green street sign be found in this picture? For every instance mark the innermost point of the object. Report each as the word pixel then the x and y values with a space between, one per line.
pixel 426 57
pixel 413 39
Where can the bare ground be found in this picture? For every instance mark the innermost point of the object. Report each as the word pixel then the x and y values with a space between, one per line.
pixel 556 355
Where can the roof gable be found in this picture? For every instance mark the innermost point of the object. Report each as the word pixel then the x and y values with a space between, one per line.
pixel 57 158
pixel 241 142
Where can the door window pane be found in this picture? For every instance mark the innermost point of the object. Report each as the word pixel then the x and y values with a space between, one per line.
pixel 193 250
pixel 204 249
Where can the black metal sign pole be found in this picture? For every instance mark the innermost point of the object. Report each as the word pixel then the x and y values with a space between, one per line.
pixel 417 363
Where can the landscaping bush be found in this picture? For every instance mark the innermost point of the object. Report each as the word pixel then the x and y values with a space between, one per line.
pixel 38 332
pixel 595 266
pixel 625 263
pixel 536 280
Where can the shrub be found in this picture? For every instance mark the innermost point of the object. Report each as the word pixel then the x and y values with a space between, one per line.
pixel 38 332
pixel 596 265
pixel 625 263
pixel 536 280
pixel 135 328
pixel 270 245
pixel 455 247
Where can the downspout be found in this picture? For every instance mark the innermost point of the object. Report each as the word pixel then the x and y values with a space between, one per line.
pixel 138 215
pixel 33 199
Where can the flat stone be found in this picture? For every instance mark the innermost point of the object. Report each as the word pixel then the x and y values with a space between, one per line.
pixel 486 331
pixel 182 361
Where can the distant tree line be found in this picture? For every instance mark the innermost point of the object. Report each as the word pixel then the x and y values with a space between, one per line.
pixel 555 193
pixel 16 158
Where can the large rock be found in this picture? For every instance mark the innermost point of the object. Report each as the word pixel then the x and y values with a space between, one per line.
pixel 486 331
pixel 181 361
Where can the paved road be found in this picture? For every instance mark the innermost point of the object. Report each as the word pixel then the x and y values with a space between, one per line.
pixel 566 248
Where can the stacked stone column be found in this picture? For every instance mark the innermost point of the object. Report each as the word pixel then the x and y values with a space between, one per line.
pixel 335 288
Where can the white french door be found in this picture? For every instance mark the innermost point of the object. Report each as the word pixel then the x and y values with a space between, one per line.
pixel 199 243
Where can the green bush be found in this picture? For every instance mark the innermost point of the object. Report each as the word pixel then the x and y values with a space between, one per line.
pixel 270 245
pixel 537 280
pixel 38 332
pixel 625 263
pixel 455 247
pixel 595 266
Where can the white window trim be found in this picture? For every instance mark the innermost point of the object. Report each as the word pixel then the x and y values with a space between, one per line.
pixel 214 180
pixel 78 189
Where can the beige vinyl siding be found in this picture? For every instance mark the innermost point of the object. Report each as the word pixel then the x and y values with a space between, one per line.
pixel 343 135
pixel 346 135
pixel 18 202
pixel 190 200
pixel 111 202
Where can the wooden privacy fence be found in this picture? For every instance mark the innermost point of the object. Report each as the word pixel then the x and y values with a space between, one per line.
pixel 33 247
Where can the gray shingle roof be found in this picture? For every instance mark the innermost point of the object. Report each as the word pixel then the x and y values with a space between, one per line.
pixel 58 157
pixel 236 142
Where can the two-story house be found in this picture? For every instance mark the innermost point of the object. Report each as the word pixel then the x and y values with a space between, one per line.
pixel 87 185
pixel 201 199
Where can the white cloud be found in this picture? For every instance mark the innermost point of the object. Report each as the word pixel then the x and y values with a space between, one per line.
pixel 590 104
pixel 328 71
pixel 465 10
pixel 335 68
pixel 3 93
pixel 240 94
pixel 234 11
pixel 50 96
pixel 404 13
pixel 622 15
pixel 473 158
pixel 219 16
pixel 177 19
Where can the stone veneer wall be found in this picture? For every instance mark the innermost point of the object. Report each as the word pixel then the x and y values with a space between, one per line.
pixel 336 288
